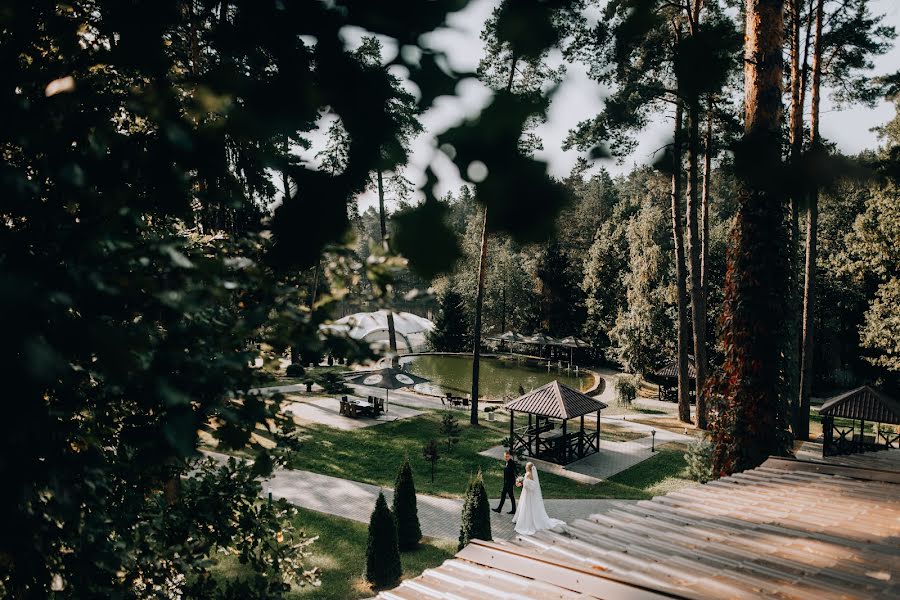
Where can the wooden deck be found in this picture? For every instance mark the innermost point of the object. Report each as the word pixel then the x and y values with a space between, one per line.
pixel 789 529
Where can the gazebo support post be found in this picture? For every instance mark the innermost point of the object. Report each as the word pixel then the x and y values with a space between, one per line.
pixel 530 432
pixel 862 435
pixel 598 431
pixel 828 433
pixel 512 433
pixel 565 443
pixel 581 439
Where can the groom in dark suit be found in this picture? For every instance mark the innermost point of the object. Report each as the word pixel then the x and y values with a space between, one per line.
pixel 509 484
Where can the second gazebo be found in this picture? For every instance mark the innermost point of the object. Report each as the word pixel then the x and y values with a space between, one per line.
pixel 667 378
pixel 548 406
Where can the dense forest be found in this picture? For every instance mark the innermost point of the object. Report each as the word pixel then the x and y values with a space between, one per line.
pixel 608 273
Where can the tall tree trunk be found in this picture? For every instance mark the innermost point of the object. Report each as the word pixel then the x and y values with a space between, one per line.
pixel 684 398
pixel 698 297
pixel 479 304
pixel 801 431
pixel 704 202
pixel 503 307
pixel 752 423
pixel 792 372
pixel 286 182
pixel 482 272
pixel 193 39
pixel 392 332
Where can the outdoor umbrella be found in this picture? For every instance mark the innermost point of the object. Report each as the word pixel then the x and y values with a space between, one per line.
pixel 387 379
pixel 540 340
pixel 511 337
pixel 571 342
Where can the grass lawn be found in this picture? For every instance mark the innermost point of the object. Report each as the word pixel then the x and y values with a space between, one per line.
pixel 340 555
pixel 373 455
pixel 666 472
pixel 617 433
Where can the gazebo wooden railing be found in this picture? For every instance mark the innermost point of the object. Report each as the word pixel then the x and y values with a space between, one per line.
pixel 859 406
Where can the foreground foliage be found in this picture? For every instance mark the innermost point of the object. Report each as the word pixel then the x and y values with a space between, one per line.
pixel 142 271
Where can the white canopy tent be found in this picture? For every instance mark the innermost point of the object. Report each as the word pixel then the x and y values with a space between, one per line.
pixel 372 327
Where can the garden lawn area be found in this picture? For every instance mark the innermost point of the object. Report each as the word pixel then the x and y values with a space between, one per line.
pixel 666 472
pixel 374 454
pixel 340 555
pixel 617 433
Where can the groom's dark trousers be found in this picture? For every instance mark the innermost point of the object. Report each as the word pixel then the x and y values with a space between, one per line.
pixel 509 485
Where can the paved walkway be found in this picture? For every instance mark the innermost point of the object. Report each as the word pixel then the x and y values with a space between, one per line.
pixel 327 411
pixel 438 517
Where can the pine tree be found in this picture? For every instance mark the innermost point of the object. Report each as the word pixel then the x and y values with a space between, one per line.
pixel 431 454
pixel 451 331
pixel 382 551
pixel 450 429
pixel 751 426
pixel 476 516
pixel 404 506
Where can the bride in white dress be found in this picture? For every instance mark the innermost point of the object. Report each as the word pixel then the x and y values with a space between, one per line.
pixel 531 515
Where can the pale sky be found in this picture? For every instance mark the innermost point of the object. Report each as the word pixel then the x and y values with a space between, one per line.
pixel 579 98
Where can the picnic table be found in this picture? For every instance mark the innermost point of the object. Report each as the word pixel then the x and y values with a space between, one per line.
pixel 354 407
pixel 454 400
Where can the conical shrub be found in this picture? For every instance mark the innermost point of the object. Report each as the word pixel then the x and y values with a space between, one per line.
pixel 405 510
pixel 382 553
pixel 476 515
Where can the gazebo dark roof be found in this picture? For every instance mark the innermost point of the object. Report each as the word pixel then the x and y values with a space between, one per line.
pixel 557 401
pixel 864 404
pixel 670 370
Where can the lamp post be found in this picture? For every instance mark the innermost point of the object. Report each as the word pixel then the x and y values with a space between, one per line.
pixel 652 440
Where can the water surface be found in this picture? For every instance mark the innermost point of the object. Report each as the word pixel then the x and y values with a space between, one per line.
pixel 499 378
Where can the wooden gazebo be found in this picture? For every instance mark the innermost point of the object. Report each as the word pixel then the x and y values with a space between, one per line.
pixel 547 406
pixel 667 378
pixel 858 406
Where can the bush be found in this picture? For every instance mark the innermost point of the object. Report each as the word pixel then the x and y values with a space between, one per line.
pixel 382 551
pixel 476 513
pixel 405 511
pixel 295 370
pixel 626 389
pixel 332 382
pixel 699 461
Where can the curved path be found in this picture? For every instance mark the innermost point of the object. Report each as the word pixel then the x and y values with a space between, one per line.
pixel 439 517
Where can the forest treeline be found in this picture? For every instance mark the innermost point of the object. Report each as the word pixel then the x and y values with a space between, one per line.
pixel 607 275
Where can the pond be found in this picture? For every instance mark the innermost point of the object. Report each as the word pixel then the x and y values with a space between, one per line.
pixel 499 376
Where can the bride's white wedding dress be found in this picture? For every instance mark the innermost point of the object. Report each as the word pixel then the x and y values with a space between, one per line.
pixel 531 516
